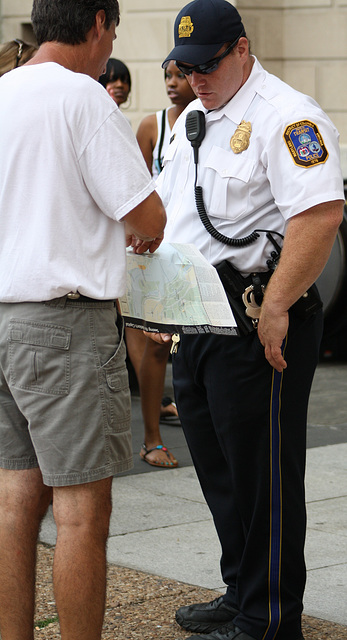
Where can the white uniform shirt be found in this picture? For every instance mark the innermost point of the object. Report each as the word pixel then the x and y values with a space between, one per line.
pixel 166 140
pixel 260 188
pixel 70 170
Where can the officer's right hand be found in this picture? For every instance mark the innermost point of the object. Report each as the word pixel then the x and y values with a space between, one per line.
pixel 272 330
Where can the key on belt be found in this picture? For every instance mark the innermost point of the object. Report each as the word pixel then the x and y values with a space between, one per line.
pixel 175 340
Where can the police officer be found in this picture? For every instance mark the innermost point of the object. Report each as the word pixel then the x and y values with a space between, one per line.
pixel 268 166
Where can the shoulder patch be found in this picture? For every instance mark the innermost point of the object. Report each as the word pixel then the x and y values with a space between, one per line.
pixel 305 144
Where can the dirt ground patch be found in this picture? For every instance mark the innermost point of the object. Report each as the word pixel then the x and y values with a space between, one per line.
pixel 142 606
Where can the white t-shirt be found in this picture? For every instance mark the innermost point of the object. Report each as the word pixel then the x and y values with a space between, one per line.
pixel 262 186
pixel 70 170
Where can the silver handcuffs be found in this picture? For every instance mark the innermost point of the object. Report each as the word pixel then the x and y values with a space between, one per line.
pixel 252 307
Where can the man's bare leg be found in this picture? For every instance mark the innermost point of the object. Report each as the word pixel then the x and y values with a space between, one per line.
pixel 23 502
pixel 82 515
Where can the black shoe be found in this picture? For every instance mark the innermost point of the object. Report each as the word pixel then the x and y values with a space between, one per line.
pixel 228 632
pixel 206 616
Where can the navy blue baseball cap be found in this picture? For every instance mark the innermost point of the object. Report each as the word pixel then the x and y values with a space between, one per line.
pixel 201 28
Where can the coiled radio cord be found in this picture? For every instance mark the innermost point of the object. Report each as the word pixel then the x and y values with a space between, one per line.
pixel 234 242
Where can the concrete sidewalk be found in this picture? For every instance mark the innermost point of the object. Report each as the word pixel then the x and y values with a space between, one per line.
pixel 161 524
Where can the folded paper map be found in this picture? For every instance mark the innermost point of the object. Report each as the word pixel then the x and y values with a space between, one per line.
pixel 175 290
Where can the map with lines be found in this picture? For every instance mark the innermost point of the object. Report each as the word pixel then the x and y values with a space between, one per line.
pixel 175 290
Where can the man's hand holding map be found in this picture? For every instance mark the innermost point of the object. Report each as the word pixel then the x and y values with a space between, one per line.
pixel 175 290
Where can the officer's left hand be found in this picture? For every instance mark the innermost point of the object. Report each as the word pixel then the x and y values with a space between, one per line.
pixel 272 329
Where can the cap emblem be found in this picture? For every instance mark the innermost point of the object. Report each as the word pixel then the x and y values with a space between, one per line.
pixel 240 140
pixel 185 28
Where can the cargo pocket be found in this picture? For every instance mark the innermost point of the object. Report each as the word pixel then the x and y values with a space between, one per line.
pixel 118 401
pixel 39 357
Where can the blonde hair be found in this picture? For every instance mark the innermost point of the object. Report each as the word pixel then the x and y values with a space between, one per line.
pixel 15 53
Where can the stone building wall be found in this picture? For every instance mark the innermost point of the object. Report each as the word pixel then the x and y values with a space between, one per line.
pixel 302 41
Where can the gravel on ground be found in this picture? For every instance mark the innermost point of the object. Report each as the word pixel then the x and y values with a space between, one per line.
pixel 142 606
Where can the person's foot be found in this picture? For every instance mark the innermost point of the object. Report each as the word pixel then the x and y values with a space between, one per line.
pixel 228 632
pixel 168 407
pixel 206 616
pixel 158 456
pixel 169 413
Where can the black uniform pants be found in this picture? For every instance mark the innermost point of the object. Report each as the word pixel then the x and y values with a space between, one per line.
pixel 245 425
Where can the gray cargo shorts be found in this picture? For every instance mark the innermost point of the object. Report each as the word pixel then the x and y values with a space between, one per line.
pixel 64 391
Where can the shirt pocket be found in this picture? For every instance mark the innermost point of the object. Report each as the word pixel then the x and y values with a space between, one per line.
pixel 171 184
pixel 170 151
pixel 227 183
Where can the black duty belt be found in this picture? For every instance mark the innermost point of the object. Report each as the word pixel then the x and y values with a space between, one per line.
pixel 245 295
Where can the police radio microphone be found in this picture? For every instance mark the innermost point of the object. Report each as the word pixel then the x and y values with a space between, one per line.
pixel 195 130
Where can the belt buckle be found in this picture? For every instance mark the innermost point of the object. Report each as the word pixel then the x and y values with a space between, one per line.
pixel 73 295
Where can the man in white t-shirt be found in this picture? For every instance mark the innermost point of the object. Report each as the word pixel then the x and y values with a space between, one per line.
pixel 75 191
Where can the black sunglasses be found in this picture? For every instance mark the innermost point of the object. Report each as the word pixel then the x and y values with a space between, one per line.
pixel 211 65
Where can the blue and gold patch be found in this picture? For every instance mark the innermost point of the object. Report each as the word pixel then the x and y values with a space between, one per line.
pixel 305 144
